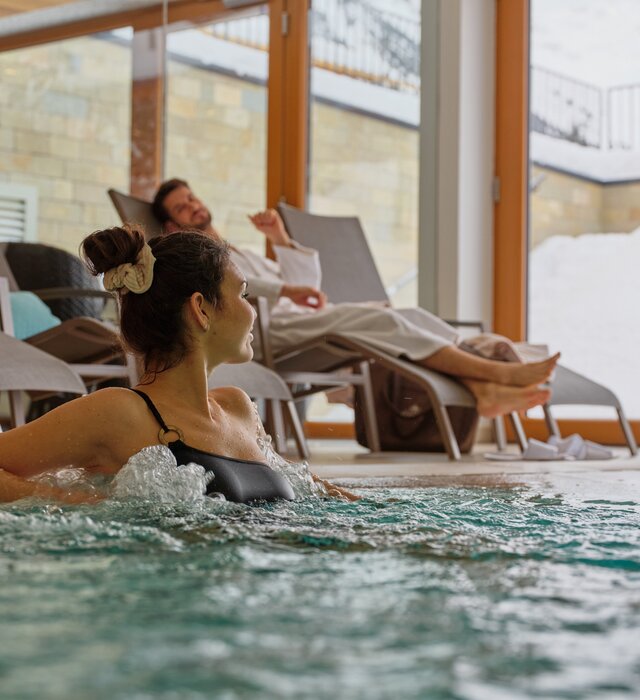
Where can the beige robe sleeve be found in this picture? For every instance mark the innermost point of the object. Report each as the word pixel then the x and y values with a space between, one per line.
pixel 298 266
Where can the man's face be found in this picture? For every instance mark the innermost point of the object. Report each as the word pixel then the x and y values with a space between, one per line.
pixel 186 210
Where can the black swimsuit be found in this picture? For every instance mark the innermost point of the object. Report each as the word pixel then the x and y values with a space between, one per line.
pixel 238 480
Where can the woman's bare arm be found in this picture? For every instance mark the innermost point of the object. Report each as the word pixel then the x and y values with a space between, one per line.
pixel 81 433
pixel 13 488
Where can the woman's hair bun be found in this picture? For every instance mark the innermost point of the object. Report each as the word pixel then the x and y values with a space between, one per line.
pixel 106 249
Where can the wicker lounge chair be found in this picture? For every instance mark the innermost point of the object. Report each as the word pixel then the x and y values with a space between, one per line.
pixel 76 298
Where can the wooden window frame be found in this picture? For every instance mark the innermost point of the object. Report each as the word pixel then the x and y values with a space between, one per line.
pixel 287 87
pixel 511 211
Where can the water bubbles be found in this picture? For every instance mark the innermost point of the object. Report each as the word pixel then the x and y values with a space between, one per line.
pixel 153 474
pixel 296 473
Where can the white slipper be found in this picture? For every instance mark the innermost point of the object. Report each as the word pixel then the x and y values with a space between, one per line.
pixel 579 448
pixel 537 451
pixel 558 449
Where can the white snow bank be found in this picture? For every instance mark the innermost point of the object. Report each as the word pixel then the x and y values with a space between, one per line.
pixel 584 300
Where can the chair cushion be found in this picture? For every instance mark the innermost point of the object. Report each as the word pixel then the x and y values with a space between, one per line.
pixel 30 315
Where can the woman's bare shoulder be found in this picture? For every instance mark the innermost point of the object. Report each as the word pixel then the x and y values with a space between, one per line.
pixel 234 401
pixel 113 402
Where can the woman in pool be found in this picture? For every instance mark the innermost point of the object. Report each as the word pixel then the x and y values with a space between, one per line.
pixel 183 311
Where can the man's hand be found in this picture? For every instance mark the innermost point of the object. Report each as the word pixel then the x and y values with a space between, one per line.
pixel 270 223
pixel 304 296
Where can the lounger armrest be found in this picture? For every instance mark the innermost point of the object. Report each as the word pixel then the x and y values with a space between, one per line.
pixel 466 324
pixel 53 293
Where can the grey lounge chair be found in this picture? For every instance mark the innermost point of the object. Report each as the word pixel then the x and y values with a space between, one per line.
pixel 570 388
pixel 325 374
pixel 341 240
pixel 25 368
pixel 133 210
pixel 342 244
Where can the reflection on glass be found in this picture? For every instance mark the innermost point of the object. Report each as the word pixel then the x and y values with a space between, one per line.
pixel 216 119
pixel 365 88
pixel 585 190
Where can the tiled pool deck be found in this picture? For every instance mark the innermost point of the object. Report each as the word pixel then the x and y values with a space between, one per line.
pixel 346 460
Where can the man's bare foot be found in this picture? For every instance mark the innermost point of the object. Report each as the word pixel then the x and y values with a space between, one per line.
pixel 497 399
pixel 529 373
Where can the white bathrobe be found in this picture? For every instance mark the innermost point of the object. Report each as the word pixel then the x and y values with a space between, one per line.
pixel 412 333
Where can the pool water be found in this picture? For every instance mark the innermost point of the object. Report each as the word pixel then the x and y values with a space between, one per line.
pixel 500 590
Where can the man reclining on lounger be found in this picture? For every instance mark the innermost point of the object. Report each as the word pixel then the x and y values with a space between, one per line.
pixel 300 311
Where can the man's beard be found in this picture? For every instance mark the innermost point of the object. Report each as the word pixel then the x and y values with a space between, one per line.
pixel 204 225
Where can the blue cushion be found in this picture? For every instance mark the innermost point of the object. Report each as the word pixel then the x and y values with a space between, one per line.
pixel 30 315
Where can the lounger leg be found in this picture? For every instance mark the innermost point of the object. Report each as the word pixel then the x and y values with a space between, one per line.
pixel 628 433
pixel 370 420
pixel 500 433
pixel 16 405
pixel 521 436
pixel 298 432
pixel 552 425
pixel 446 431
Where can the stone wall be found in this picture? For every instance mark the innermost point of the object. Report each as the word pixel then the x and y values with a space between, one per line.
pixel 368 168
pixel 621 207
pixel 216 140
pixel 64 129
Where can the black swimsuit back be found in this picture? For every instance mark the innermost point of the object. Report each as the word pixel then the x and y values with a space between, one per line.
pixel 238 480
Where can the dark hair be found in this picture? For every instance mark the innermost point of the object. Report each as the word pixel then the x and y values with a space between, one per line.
pixel 165 189
pixel 151 324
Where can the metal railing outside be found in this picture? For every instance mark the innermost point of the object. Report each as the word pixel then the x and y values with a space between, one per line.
pixel 353 38
pixel 349 37
pixel 623 117
pixel 251 31
pixel 566 108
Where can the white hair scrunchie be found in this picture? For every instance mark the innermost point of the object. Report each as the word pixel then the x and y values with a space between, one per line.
pixel 132 277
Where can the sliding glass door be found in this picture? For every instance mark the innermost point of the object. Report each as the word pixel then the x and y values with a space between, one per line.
pixel 584 211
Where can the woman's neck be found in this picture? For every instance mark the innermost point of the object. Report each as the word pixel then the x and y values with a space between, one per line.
pixel 186 383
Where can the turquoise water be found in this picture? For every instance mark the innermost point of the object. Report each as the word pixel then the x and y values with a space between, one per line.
pixel 496 591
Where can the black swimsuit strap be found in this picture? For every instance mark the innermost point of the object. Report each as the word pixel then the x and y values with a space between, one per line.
pixel 153 409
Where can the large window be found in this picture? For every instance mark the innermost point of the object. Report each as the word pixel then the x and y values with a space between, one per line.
pixel 216 119
pixel 584 190
pixel 65 137
pixel 363 139
pixel 364 111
